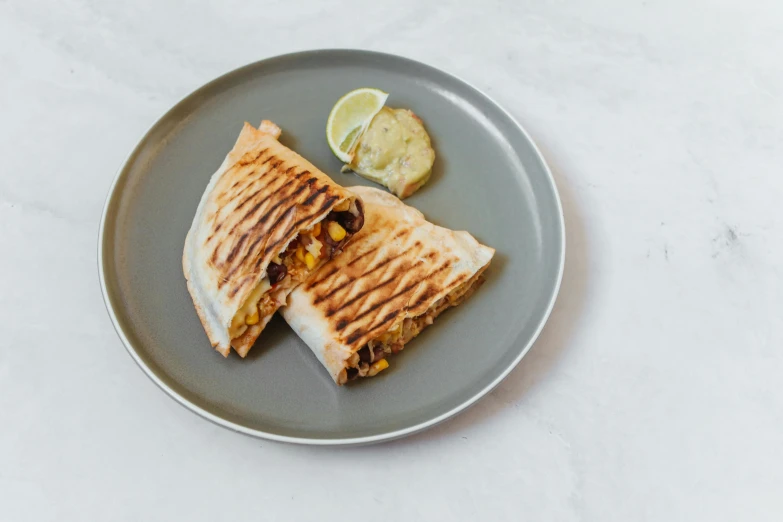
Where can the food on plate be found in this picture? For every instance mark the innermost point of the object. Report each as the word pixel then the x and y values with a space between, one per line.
pixel 350 117
pixel 385 145
pixel 395 151
pixel 392 280
pixel 266 220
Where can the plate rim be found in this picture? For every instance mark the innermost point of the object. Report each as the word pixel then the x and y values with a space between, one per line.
pixel 343 441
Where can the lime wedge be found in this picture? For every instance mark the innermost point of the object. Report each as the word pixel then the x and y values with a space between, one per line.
pixel 350 117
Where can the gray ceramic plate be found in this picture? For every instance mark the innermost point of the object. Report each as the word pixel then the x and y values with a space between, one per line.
pixel 489 179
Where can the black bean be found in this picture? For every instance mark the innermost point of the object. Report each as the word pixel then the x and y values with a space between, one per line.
pixel 276 272
pixel 348 221
pixel 364 354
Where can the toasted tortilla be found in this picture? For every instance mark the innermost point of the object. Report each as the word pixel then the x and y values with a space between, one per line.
pixel 255 204
pixel 398 271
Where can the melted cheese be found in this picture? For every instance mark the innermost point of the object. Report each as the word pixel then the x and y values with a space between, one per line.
pixel 238 325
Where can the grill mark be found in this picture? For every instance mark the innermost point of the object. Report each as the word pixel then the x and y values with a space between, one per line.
pixel 294 228
pixel 362 256
pixel 264 174
pixel 273 245
pixel 326 277
pixel 441 268
pixel 356 335
pixel 341 325
pixel 236 248
pixel 214 231
pixel 427 295
pixel 268 248
pixel 313 197
pixel 243 161
pixel 254 230
pixel 241 284
pixel 390 316
pixel 280 203
pixel 328 201
pixel 241 192
pixel 401 233
pixel 262 221
pixel 249 198
pixel 459 280
pixel 255 227
pixel 254 194
pixel 327 204
pixel 258 205
pixel 277 205
pixel 330 312
pixel 240 164
pixel 398 294
pixel 247 214
pixel 331 292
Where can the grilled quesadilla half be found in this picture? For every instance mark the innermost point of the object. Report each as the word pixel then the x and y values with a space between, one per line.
pixel 266 220
pixel 392 280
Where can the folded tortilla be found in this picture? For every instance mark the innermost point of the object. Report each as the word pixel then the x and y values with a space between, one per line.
pixel 258 233
pixel 392 280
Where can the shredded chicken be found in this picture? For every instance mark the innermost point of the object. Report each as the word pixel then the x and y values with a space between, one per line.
pixel 360 363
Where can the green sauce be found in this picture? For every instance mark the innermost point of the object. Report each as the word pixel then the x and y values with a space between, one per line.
pixel 395 151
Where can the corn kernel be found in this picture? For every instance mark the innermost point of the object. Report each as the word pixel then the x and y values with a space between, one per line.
pixel 252 318
pixel 342 207
pixel 300 253
pixel 236 322
pixel 316 230
pixel 377 367
pixel 336 232
pixel 309 260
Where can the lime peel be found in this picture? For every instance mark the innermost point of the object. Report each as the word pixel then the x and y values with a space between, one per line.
pixel 350 117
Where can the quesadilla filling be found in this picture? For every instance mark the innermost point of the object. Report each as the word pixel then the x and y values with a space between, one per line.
pixel 308 251
pixel 370 360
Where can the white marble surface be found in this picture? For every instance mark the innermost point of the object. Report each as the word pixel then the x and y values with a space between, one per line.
pixel 654 392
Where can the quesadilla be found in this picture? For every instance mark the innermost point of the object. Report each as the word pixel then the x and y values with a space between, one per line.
pixel 392 280
pixel 267 219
